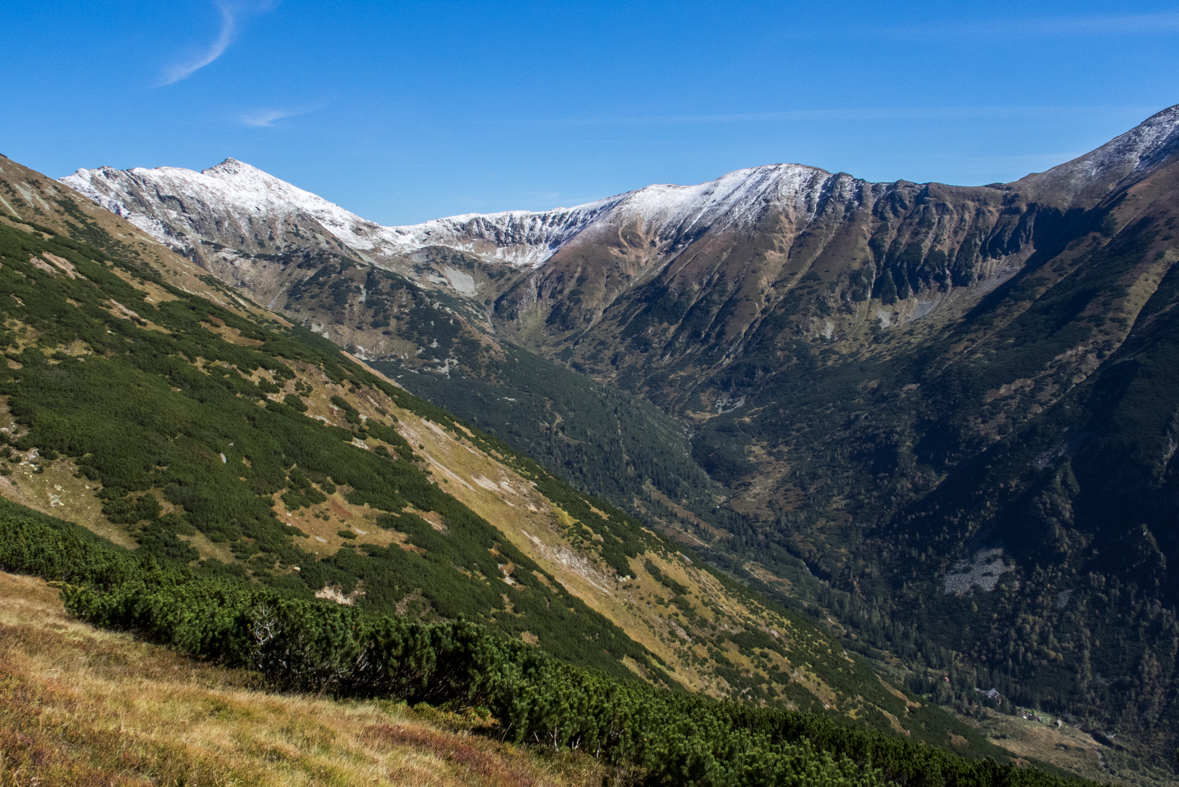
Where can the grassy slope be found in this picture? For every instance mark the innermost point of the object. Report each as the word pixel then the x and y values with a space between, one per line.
pixel 738 737
pixel 1071 749
pixel 437 346
pixel 83 706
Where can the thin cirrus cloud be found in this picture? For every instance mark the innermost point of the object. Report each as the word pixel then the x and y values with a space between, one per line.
pixel 1036 27
pixel 231 17
pixel 265 118
pixel 849 114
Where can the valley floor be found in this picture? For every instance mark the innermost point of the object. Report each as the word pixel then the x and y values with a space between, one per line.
pixel 1069 749
pixel 80 706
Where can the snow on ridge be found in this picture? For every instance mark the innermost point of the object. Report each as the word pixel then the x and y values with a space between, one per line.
pixel 519 237
pixel 1127 155
pixel 231 186
pixel 528 238
pixel 96 185
pixel 1144 143
pixel 736 198
pixel 516 237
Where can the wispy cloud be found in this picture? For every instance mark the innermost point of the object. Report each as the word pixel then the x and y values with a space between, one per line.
pixel 1032 159
pixel 265 118
pixel 231 16
pixel 1025 27
pixel 848 114
pixel 224 39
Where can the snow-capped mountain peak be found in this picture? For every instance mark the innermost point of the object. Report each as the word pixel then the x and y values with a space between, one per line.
pixel 179 206
pixel 168 202
pixel 165 201
pixel 733 199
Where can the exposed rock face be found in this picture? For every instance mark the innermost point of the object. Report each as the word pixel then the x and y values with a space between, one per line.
pixel 982 573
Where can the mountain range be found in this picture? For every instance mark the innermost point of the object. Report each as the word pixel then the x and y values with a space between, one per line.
pixel 149 403
pixel 941 419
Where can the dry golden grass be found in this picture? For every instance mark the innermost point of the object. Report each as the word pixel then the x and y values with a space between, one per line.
pixel 79 706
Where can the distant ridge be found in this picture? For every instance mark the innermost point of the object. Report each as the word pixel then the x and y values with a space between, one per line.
pixel 530 237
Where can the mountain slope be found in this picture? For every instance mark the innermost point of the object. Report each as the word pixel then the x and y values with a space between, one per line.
pixel 218 433
pixel 940 413
pixel 421 319
pixel 83 706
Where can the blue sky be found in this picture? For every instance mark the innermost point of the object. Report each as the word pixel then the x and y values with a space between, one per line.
pixel 403 112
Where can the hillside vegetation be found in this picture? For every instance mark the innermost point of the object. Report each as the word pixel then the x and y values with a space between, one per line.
pixel 82 706
pixel 648 735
